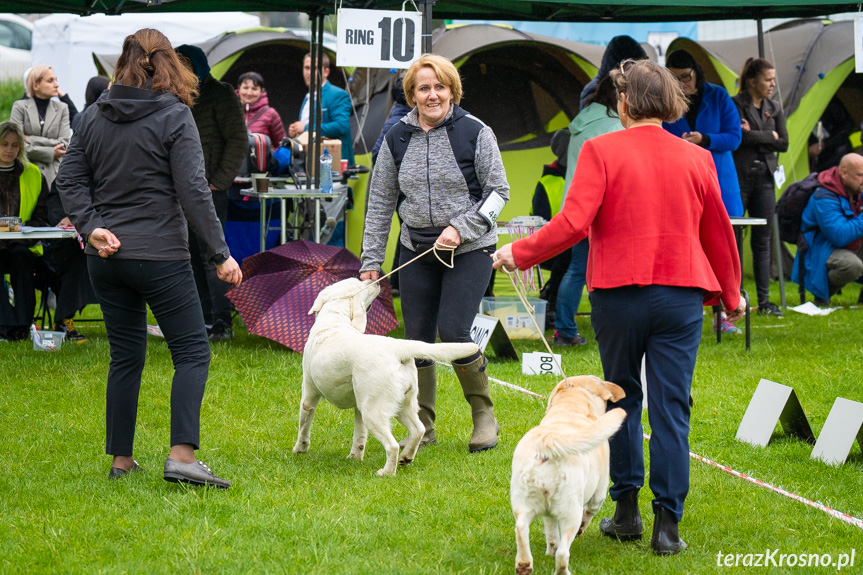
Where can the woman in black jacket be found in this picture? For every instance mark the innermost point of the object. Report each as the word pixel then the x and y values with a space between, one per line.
pixel 139 148
pixel 762 123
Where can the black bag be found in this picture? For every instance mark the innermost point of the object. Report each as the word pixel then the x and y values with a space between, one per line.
pixel 789 208
pixel 260 158
pixel 423 239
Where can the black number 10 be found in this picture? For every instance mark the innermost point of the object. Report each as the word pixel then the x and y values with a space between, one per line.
pixel 391 34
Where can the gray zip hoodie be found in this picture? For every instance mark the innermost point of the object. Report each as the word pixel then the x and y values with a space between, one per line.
pixel 436 192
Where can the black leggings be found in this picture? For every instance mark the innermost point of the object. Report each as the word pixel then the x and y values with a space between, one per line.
pixel 437 300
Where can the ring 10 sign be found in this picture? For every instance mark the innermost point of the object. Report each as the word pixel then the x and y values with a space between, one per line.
pixel 378 38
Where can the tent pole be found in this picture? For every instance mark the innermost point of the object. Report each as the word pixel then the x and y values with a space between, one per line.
pixel 427 25
pixel 760 24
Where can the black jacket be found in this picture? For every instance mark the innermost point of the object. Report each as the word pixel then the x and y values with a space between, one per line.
pixel 142 153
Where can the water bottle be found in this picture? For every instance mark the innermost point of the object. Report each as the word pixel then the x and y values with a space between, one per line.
pixel 326 172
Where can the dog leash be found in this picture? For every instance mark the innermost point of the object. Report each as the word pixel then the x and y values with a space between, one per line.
pixel 437 246
pixel 519 290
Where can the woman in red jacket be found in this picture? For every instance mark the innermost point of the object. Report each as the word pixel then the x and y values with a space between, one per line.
pixel 661 246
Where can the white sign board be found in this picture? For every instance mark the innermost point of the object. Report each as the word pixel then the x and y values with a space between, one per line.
pixel 540 363
pixel 481 330
pixel 379 38
pixel 858 45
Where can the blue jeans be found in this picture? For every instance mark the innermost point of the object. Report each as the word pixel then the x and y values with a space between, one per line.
pixel 124 288
pixel 664 324
pixel 571 288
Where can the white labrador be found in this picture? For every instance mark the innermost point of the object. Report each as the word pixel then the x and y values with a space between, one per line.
pixel 375 375
pixel 560 468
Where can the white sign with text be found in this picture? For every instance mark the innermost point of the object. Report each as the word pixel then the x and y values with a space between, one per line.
pixel 540 363
pixel 481 330
pixel 379 38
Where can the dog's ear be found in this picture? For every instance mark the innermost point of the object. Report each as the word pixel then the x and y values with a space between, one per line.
pixel 319 302
pixel 615 392
pixel 358 312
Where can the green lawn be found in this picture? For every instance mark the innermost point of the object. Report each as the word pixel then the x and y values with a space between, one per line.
pixel 446 513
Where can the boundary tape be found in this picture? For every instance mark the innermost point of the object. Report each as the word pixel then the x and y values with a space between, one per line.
pixel 849 519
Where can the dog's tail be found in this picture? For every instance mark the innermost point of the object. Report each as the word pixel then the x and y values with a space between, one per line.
pixel 560 444
pixel 407 349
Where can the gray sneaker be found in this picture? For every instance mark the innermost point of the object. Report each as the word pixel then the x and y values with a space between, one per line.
pixel 196 473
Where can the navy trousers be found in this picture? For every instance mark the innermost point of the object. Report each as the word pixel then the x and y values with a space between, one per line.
pixel 664 324
pixel 124 288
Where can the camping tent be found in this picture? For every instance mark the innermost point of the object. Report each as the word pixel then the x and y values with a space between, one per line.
pixel 66 41
pixel 814 62
pixel 275 53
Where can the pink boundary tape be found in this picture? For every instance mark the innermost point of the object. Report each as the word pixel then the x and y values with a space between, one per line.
pixel 828 510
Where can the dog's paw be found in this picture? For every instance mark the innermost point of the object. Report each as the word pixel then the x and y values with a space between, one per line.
pixel 357 452
pixel 405 461
pixel 524 569
pixel 301 447
pixel 384 472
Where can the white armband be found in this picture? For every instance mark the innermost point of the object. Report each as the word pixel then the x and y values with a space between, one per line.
pixel 491 208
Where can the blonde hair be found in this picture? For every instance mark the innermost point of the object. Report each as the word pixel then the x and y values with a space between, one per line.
pixel 7 128
pixel 148 61
pixel 652 92
pixel 34 76
pixel 443 69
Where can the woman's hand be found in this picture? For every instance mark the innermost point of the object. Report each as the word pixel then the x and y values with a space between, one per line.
pixel 449 237
pixel 229 271
pixel 734 315
pixel 775 135
pixel 502 258
pixel 744 125
pixel 694 137
pixel 104 241
pixel 369 275
pixel 59 151
pixel 296 128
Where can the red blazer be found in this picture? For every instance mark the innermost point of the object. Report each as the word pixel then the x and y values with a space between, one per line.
pixel 651 204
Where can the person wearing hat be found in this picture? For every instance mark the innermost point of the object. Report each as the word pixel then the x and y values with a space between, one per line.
pixel 598 117
pixel 547 198
pixel 712 122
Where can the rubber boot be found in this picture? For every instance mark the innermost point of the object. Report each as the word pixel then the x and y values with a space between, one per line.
pixel 666 539
pixel 427 382
pixel 474 383
pixel 626 524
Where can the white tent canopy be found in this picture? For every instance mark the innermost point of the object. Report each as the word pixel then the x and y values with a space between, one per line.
pixel 66 42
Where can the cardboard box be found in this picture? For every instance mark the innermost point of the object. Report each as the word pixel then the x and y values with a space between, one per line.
pixel 334 146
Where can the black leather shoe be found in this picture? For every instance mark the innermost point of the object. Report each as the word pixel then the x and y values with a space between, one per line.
pixel 666 539
pixel 118 472
pixel 196 473
pixel 626 524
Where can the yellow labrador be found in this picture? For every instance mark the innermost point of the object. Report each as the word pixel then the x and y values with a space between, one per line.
pixel 375 375
pixel 560 467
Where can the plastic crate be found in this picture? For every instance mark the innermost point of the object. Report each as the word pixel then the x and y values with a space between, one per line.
pixel 47 340
pixel 515 317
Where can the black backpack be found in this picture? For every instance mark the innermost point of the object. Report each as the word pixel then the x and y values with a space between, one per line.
pixel 789 208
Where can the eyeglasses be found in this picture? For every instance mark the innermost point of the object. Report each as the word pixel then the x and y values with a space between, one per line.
pixel 683 78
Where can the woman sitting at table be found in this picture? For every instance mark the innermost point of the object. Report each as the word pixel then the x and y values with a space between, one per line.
pixel 23 193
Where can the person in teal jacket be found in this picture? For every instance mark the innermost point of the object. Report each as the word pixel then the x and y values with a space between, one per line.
pixel 597 118
pixel 335 111
pixel 711 122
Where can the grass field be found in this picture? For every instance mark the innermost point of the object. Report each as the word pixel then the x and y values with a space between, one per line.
pixel 448 512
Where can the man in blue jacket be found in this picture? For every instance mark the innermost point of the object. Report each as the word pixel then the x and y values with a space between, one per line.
pixel 833 229
pixel 335 110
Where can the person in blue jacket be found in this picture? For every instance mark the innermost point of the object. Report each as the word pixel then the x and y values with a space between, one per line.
pixel 335 110
pixel 833 229
pixel 711 122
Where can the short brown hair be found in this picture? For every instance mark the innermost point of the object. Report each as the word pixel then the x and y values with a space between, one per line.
pixel 324 58
pixel 443 69
pixel 34 76
pixel 651 91
pixel 148 57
